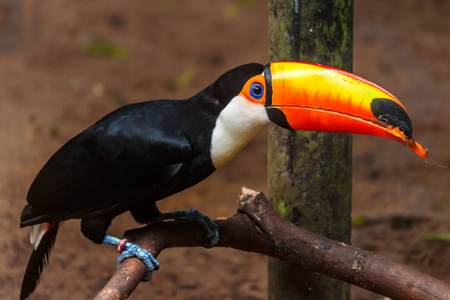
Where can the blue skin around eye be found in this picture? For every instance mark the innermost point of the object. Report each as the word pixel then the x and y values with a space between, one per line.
pixel 256 96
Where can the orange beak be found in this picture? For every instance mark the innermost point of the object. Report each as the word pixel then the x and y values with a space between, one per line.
pixel 305 96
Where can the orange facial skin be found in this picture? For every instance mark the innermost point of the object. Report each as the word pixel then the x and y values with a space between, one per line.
pixel 321 98
pixel 247 87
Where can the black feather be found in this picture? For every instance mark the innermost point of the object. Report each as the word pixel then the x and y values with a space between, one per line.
pixel 128 160
pixel 38 259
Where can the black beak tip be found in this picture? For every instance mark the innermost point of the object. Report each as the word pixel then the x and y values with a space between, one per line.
pixel 390 113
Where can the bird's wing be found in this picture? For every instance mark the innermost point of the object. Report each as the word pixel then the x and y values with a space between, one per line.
pixel 127 156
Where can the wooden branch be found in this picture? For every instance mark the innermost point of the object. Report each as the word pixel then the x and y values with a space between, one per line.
pixel 257 227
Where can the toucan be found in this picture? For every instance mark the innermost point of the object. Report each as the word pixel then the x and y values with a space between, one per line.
pixel 145 152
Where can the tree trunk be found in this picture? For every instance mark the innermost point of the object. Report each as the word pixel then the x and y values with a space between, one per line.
pixel 310 172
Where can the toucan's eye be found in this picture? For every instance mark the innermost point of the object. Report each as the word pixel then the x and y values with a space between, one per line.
pixel 256 91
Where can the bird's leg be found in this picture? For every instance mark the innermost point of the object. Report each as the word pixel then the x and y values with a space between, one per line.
pixel 211 227
pixel 129 250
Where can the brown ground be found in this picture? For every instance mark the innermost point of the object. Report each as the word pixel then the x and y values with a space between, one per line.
pixel 51 89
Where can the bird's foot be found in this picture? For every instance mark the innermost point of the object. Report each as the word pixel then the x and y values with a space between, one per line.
pixel 132 250
pixel 211 227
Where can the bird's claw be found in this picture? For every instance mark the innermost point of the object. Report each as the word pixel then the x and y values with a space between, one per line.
pixel 132 250
pixel 211 227
pixel 145 256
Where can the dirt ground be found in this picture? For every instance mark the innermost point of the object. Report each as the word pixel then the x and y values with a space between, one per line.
pixel 52 86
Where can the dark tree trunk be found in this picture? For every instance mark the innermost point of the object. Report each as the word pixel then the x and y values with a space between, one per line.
pixel 310 172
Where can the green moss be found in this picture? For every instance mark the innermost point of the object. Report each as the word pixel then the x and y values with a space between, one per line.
pixel 54 131
pixel 444 237
pixel 181 81
pixel 359 221
pixel 282 209
pixel 235 8
pixel 106 49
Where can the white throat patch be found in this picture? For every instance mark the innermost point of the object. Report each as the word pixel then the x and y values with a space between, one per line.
pixel 236 125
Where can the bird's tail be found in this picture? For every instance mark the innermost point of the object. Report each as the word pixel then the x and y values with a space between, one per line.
pixel 43 238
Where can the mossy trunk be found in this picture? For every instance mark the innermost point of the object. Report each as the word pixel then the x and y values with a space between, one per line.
pixel 310 172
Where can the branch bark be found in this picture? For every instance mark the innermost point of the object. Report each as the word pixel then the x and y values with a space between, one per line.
pixel 257 227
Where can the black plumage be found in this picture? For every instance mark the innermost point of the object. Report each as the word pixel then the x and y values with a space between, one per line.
pixel 134 156
pixel 38 258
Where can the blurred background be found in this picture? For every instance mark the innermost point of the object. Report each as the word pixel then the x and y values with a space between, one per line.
pixel 65 64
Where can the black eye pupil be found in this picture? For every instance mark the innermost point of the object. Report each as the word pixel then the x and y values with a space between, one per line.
pixel 257 90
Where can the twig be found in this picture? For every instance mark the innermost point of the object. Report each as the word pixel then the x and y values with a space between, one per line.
pixel 257 227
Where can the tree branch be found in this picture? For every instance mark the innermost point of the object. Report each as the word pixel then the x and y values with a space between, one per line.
pixel 257 227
